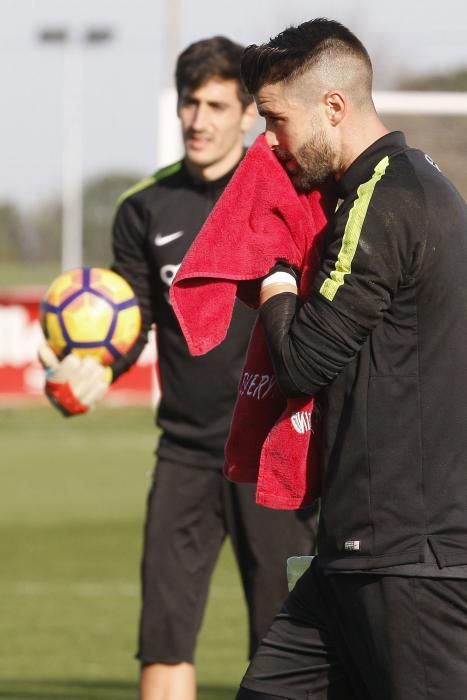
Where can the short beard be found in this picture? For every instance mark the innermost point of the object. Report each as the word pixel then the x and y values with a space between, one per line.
pixel 315 159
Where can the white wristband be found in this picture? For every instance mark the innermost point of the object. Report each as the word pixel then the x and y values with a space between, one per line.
pixel 279 277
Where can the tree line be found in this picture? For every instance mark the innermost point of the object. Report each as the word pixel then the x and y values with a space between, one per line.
pixel 35 236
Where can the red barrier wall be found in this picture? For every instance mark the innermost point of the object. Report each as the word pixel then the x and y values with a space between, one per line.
pixel 22 377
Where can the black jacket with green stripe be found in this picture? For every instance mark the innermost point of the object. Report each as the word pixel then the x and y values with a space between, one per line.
pixel 383 342
pixel 155 224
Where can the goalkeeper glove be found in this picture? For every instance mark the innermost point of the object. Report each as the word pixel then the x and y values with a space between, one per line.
pixel 73 385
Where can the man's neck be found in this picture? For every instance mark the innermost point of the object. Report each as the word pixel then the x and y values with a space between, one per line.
pixel 215 171
pixel 362 139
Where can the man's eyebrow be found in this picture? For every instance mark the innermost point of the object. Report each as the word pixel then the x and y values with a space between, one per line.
pixel 267 112
pixel 217 103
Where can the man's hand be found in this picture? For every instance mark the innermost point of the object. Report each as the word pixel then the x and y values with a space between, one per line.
pixel 73 385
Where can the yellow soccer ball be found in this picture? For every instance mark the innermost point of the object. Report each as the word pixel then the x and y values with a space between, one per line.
pixel 91 311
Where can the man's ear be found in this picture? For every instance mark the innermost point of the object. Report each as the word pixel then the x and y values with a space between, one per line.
pixel 336 106
pixel 249 117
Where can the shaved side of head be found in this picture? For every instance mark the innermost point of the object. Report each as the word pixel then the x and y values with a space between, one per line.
pixel 319 55
pixel 334 70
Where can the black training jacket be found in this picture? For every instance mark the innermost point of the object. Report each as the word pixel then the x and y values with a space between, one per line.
pixel 155 224
pixel 383 342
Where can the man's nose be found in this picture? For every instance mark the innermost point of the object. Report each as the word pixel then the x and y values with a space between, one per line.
pixel 199 118
pixel 271 138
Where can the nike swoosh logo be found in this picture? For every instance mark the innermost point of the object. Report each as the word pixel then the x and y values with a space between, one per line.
pixel 161 239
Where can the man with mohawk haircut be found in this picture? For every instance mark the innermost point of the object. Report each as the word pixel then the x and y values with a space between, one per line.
pixel 381 614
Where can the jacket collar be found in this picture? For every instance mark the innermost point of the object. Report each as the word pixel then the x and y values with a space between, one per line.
pixel 211 185
pixel 363 166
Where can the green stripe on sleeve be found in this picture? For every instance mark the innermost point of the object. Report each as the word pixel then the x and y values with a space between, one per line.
pixel 352 232
pixel 148 181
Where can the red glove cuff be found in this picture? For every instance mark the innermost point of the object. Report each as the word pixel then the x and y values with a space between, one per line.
pixel 62 397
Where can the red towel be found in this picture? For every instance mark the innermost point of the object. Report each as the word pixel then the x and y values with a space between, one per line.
pixel 273 442
pixel 259 405
pixel 259 219
pixel 289 467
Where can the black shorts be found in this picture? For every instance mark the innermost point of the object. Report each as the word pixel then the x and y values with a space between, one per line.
pixel 364 637
pixel 189 513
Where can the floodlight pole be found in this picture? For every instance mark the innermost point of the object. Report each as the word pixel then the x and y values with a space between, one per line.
pixel 72 118
pixel 72 155
pixel 168 142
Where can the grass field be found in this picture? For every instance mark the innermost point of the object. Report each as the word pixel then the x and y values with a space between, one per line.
pixel 73 495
